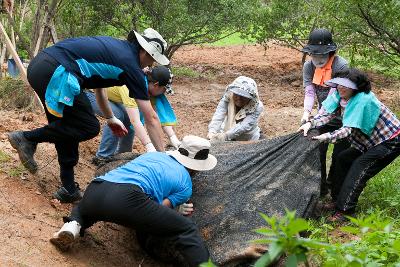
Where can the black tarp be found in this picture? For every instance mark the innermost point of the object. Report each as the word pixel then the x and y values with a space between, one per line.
pixel 265 176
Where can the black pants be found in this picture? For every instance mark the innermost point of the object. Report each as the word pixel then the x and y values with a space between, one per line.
pixel 326 179
pixel 127 205
pixel 77 124
pixel 354 169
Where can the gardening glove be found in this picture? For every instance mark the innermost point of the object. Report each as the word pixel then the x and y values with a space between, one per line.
pixel 117 127
pixel 211 135
pixel 219 137
pixel 146 70
pixel 150 147
pixel 305 128
pixel 323 137
pixel 185 209
pixel 306 117
pixel 174 141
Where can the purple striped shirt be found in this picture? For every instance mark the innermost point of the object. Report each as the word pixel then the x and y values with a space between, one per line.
pixel 387 127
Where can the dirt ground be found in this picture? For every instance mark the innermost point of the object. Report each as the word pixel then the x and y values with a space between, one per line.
pixel 29 217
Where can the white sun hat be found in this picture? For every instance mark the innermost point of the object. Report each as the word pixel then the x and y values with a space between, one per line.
pixel 154 44
pixel 244 86
pixel 193 153
pixel 343 82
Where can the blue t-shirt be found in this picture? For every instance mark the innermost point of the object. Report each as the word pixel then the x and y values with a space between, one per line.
pixel 102 61
pixel 159 175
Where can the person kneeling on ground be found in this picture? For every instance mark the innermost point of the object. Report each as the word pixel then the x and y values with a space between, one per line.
pixel 141 195
pixel 238 113
pixel 372 129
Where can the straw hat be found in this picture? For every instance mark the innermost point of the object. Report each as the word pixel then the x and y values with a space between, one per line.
pixel 154 44
pixel 193 153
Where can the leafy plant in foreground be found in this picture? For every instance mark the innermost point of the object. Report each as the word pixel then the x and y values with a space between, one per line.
pixel 283 237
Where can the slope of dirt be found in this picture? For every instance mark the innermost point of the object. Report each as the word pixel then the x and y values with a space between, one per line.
pixel 29 217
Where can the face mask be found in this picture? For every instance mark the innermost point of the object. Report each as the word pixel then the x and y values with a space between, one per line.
pixel 319 60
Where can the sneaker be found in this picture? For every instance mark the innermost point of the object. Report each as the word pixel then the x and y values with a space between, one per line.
pixel 65 197
pixel 25 148
pixel 67 235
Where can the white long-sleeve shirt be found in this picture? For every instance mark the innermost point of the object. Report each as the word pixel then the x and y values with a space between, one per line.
pixel 246 129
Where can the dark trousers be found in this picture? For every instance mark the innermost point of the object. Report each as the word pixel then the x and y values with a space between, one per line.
pixel 326 179
pixel 354 169
pixel 77 124
pixel 127 205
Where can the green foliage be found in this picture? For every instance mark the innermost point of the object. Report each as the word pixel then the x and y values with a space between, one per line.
pixel 283 236
pixel 375 242
pixel 16 171
pixel 234 39
pixel 208 264
pixel 4 157
pixel 182 71
pixel 367 32
pixel 180 22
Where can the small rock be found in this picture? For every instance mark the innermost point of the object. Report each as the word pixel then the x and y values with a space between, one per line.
pixel 38 193
pixel 296 83
pixel 27 117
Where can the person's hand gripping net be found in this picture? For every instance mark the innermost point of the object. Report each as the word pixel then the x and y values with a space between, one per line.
pixel 305 128
pixel 186 209
pixel 117 127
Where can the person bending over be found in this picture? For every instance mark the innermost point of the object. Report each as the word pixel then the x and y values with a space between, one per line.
pixel 126 110
pixel 142 194
pixel 60 72
pixel 372 129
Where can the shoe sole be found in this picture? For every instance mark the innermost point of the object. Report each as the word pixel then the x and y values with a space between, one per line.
pixel 64 241
pixel 26 162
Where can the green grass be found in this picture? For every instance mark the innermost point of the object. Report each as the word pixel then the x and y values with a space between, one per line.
pixel 234 39
pixel 4 157
pixel 383 192
pixel 16 171
pixel 185 72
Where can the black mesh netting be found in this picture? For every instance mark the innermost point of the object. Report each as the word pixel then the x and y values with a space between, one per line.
pixel 266 176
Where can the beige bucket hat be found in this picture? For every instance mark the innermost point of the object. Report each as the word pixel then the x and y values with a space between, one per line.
pixel 154 44
pixel 193 153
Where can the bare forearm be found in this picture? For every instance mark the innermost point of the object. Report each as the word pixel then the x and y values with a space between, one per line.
pixel 152 124
pixel 102 102
pixel 140 131
pixel 155 132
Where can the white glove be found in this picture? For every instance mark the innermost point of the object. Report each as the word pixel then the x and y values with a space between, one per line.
pixel 146 70
pixel 306 117
pixel 305 128
pixel 219 137
pixel 150 147
pixel 210 135
pixel 174 141
pixel 117 127
pixel 185 209
pixel 323 137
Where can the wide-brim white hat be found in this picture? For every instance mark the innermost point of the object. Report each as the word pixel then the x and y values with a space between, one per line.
pixel 154 44
pixel 193 153
pixel 342 81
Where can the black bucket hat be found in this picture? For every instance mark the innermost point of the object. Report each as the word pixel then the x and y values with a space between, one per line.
pixel 320 42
